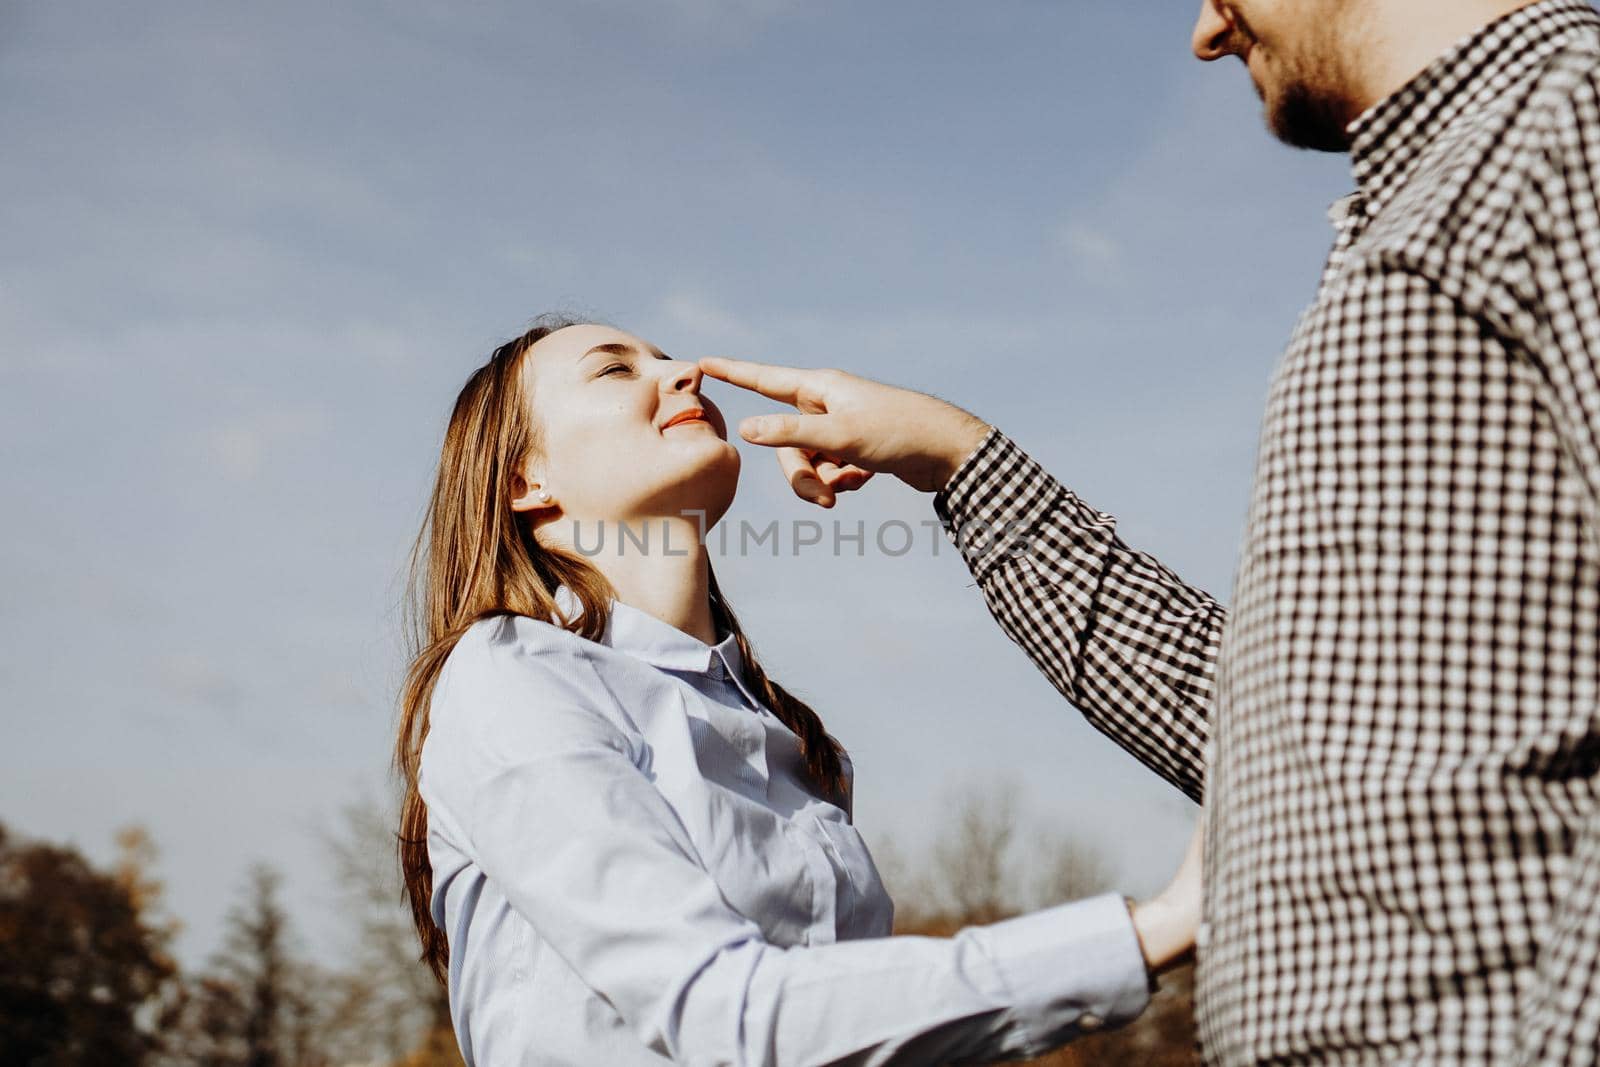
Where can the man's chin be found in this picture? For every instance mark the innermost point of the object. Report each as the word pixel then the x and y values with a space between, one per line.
pixel 1302 119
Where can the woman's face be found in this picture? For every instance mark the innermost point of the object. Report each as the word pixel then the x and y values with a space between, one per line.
pixel 621 437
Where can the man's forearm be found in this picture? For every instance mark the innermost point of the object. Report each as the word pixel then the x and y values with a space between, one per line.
pixel 1119 635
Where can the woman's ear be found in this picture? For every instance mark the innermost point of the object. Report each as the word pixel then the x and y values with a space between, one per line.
pixel 527 494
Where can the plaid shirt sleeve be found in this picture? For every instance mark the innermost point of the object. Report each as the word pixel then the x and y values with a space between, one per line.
pixel 1120 635
pixel 1562 1008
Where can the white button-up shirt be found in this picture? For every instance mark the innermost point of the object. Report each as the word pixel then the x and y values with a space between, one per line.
pixel 632 868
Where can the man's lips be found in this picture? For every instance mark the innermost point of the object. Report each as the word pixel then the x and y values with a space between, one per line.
pixel 688 415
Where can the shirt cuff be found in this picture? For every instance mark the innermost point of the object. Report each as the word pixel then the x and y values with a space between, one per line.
pixel 1072 969
pixel 998 497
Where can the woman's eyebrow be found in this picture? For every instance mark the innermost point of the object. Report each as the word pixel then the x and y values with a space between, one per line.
pixel 617 348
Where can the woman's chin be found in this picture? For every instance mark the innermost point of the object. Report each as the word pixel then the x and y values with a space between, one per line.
pixel 710 495
pixel 704 488
pixel 720 465
pixel 702 437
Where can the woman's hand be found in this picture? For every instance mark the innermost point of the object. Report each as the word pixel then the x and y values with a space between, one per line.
pixel 1167 923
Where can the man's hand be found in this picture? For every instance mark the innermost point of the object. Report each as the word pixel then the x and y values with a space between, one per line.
pixel 1168 923
pixel 850 428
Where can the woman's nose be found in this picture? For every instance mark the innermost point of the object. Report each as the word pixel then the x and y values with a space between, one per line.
pixel 683 377
pixel 1213 33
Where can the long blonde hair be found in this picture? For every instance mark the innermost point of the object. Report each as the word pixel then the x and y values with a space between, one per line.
pixel 474 558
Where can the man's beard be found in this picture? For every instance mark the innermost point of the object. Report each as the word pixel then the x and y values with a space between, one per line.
pixel 1307 112
pixel 1309 118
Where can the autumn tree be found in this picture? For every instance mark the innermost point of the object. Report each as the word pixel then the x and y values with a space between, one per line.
pixel 84 977
pixel 258 1003
pixel 386 999
pixel 988 862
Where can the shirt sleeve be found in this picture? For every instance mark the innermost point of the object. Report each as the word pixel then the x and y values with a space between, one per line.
pixel 548 792
pixel 1561 1008
pixel 1119 635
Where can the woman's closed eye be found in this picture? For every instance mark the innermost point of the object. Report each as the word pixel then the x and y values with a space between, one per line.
pixel 622 367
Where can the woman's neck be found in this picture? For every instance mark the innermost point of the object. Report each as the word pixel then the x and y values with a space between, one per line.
pixel 669 578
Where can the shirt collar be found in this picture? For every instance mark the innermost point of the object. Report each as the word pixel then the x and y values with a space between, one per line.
pixel 1388 137
pixel 663 645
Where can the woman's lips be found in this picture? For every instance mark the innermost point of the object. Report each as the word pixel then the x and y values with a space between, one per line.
pixel 691 415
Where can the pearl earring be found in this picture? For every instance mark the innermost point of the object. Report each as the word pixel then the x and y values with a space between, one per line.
pixel 543 496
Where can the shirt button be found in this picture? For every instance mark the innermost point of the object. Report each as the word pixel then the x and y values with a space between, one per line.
pixel 1090 1021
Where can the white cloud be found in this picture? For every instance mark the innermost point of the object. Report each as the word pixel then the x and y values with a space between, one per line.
pixel 193 677
pixel 707 321
pixel 241 448
pixel 714 11
pixel 1090 248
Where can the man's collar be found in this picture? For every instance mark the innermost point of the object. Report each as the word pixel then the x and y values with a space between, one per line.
pixel 1388 137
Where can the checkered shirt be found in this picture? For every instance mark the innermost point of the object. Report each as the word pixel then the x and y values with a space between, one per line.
pixel 1396 726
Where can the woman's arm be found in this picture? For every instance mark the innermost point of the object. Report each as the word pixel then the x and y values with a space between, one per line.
pixel 553 805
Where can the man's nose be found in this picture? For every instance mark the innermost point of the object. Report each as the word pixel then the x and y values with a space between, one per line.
pixel 1213 33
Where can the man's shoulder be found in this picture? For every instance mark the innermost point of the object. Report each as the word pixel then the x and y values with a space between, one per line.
pixel 1480 195
pixel 1570 72
pixel 1560 106
pixel 1504 138
pixel 1544 163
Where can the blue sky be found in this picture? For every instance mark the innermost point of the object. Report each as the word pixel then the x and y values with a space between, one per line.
pixel 252 251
